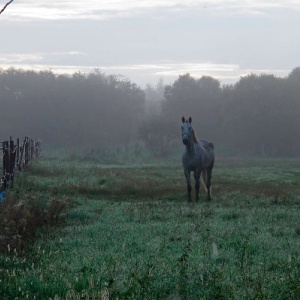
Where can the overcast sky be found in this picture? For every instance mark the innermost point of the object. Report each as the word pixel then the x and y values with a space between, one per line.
pixel 145 40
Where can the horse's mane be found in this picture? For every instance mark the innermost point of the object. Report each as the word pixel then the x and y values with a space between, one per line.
pixel 194 136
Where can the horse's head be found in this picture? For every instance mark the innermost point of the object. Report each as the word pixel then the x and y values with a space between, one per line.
pixel 186 130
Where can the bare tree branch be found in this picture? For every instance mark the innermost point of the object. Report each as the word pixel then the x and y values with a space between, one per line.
pixel 2 10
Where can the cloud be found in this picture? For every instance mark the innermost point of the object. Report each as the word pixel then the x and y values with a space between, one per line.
pixel 33 58
pixel 107 9
pixel 19 58
pixel 143 74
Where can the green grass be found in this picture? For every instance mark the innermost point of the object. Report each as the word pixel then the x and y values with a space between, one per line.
pixel 129 233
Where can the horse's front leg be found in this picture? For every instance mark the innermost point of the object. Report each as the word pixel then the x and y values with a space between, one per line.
pixel 188 182
pixel 197 175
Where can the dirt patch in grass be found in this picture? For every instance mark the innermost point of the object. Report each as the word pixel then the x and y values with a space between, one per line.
pixel 273 191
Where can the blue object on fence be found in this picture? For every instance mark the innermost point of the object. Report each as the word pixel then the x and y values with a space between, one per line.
pixel 2 195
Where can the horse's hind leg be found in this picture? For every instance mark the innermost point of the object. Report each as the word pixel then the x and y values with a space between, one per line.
pixel 197 175
pixel 189 186
pixel 208 181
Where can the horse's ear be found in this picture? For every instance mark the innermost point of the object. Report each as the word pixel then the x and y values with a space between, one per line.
pixel 183 119
pixel 190 119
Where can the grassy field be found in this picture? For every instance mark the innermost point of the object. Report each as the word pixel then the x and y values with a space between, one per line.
pixel 127 232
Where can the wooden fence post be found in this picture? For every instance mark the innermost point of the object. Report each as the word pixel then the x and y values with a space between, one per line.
pixel 12 160
pixel 18 154
pixel 2 188
pixel 38 148
pixel 31 150
pixel 21 166
pixel 26 153
pixel 5 164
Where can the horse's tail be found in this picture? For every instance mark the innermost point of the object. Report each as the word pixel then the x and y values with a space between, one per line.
pixel 204 179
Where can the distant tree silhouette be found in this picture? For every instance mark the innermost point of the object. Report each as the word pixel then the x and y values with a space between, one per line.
pixel 259 115
pixel 199 98
pixel 158 134
pixel 154 96
pixel 92 109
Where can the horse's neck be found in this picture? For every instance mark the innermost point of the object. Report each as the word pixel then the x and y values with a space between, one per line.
pixel 190 148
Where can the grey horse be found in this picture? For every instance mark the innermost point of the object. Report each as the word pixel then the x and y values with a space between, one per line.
pixel 198 157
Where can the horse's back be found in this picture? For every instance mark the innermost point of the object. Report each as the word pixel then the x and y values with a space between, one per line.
pixel 208 145
pixel 207 153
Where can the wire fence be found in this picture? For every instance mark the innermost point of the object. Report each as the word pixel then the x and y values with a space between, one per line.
pixel 16 157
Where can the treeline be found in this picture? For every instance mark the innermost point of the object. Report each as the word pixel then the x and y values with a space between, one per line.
pixel 94 109
pixel 259 115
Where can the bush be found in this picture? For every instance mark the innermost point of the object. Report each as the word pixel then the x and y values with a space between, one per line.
pixel 21 217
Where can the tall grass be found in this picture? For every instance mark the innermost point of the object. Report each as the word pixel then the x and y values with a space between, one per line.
pixel 128 233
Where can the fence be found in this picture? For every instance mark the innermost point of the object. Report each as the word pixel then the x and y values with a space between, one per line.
pixel 16 158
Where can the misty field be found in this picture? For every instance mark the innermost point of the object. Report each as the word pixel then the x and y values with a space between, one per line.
pixel 127 232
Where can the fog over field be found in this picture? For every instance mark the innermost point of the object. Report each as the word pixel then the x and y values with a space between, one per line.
pixel 118 74
pixel 258 116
